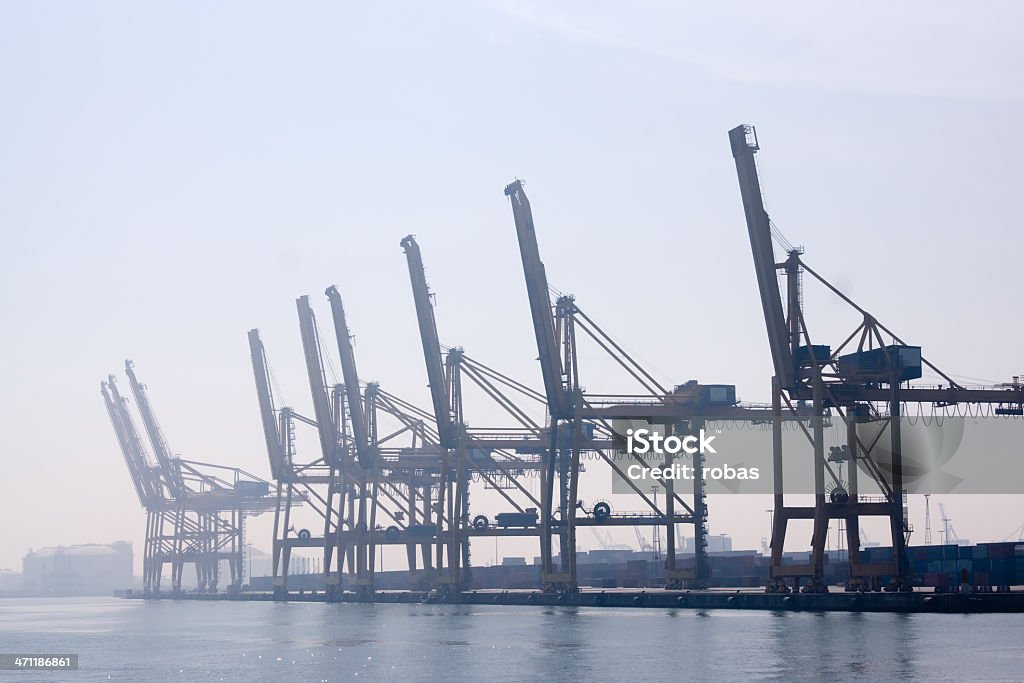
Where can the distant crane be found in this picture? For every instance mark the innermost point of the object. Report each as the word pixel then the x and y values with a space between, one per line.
pixel 644 544
pixel 948 532
pixel 927 519
pixel 606 542
pixel 195 511
pixel 1017 533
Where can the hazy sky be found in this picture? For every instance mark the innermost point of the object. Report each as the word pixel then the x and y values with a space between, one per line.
pixel 172 175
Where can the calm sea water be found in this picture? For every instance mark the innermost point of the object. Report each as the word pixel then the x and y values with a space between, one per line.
pixel 133 640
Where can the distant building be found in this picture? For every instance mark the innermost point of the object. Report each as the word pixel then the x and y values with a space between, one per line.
pixel 91 569
pixel 717 543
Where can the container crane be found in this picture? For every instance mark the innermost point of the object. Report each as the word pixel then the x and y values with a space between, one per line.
pixel 186 536
pixel 331 422
pixel 294 481
pixel 453 488
pixel 149 486
pixel 194 514
pixel 497 458
pixel 301 483
pixel 572 412
pixel 364 473
pixel 868 383
pixel 948 532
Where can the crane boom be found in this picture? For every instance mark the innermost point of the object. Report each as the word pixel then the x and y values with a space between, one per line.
pixel 540 302
pixel 164 455
pixel 431 344
pixel 271 434
pixel 744 145
pixel 138 470
pixel 155 481
pixel 348 371
pixel 326 428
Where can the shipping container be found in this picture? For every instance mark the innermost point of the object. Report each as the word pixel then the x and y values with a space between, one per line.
pixel 1000 550
pixel 936 580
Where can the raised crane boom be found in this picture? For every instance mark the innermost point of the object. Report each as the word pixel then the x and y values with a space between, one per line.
pixel 540 302
pixel 348 371
pixel 431 345
pixel 164 455
pixel 271 433
pixel 138 467
pixel 744 145
pixel 314 368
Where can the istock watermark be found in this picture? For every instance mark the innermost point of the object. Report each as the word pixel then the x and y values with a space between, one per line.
pixel 650 442
pixel 940 454
pixel 642 441
pixel 688 472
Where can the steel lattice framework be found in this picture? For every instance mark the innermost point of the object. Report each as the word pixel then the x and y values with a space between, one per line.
pixel 195 511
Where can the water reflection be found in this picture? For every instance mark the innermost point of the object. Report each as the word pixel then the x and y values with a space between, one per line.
pixel 261 641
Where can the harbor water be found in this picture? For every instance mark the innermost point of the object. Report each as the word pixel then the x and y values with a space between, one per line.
pixel 137 640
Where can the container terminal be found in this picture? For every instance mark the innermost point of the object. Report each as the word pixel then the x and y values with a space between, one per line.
pixel 389 472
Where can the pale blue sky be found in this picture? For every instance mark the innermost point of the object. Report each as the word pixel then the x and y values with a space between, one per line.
pixel 172 175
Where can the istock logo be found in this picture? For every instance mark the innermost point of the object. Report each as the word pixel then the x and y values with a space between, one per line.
pixel 641 441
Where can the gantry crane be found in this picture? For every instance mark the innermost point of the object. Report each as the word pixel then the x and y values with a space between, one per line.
pixel 454 485
pixel 497 457
pixel 362 472
pixel 574 413
pixel 404 483
pixel 194 514
pixel 149 486
pixel 363 469
pixel 294 479
pixel 868 383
